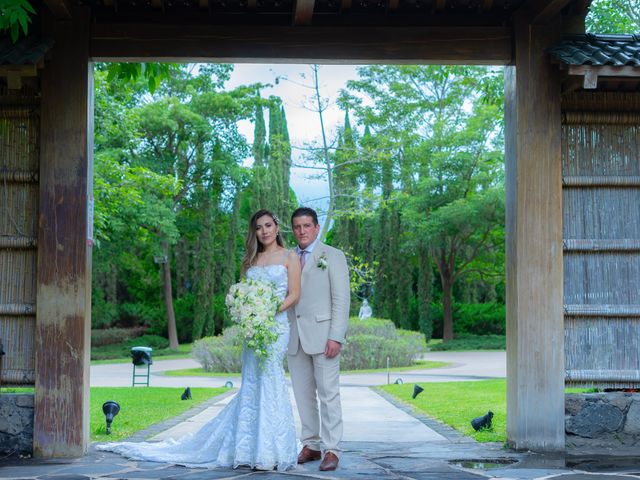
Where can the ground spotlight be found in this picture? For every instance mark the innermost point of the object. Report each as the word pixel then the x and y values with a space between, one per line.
pixel 186 395
pixel 398 381
pixel 416 390
pixel 482 422
pixel 229 384
pixel 110 410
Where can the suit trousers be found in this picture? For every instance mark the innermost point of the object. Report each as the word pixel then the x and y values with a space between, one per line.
pixel 316 379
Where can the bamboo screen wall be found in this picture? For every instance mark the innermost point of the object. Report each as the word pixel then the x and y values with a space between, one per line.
pixel 19 163
pixel 601 231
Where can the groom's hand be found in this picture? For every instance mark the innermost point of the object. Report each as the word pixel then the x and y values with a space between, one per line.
pixel 332 349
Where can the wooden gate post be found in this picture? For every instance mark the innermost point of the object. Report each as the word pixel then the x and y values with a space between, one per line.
pixel 63 309
pixel 535 330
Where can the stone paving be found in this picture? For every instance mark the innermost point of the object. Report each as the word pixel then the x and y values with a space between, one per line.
pixel 360 460
pixel 384 439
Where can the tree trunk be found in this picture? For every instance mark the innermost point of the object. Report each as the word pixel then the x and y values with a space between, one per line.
pixel 168 300
pixel 326 158
pixel 447 328
pixel 424 292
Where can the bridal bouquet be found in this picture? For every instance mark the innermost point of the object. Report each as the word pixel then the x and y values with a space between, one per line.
pixel 253 305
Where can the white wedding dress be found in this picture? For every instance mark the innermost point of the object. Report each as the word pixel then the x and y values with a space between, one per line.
pixel 255 429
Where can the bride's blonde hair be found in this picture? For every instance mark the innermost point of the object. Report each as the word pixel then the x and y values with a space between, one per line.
pixel 252 244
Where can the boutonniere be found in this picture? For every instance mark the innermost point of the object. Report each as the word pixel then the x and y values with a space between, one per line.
pixel 323 262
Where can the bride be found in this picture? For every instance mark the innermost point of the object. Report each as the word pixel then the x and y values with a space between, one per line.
pixel 256 428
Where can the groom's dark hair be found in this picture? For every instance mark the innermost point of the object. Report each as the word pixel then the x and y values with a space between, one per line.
pixel 305 211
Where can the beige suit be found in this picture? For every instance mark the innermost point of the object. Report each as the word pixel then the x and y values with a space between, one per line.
pixel 322 314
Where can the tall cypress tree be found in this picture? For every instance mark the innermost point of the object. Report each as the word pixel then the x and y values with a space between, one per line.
pixel 257 190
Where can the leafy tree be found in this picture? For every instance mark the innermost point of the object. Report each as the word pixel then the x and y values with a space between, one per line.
pixel 15 16
pixel 613 16
pixel 186 130
pixel 438 141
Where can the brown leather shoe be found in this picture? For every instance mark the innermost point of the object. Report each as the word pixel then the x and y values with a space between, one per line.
pixel 308 455
pixel 329 462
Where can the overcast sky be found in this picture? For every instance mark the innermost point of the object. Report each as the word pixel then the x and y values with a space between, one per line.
pixel 304 124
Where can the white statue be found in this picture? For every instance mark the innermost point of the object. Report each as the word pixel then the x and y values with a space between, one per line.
pixel 365 310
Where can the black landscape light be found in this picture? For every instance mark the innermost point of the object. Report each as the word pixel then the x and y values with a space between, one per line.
pixel 186 395
pixel 141 356
pixel 229 384
pixel 398 381
pixel 110 410
pixel 482 422
pixel 416 390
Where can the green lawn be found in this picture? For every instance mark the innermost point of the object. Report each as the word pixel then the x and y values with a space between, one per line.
pixel 140 407
pixel 184 351
pixel 457 403
pixel 466 342
pixel 199 372
pixel 418 365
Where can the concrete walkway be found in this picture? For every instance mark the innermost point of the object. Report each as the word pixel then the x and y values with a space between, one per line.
pixel 382 439
pixel 463 366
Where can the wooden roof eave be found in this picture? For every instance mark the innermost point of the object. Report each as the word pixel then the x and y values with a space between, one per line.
pixel 591 73
pixel 61 9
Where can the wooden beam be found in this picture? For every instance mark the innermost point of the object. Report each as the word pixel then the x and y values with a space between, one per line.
pixel 534 267
pixel 604 71
pixel 542 11
pixel 392 5
pixel 303 12
pixel 63 304
pixel 61 9
pixel 15 73
pixel 211 43
pixel 487 5
pixel 345 5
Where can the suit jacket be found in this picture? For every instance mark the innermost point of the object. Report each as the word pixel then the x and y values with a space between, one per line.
pixel 322 312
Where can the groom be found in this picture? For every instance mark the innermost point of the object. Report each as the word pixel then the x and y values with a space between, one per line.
pixel 318 325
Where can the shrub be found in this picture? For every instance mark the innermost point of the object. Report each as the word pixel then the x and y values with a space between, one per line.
pixel 372 326
pixel 471 318
pixel 222 353
pixel 368 345
pixel 123 349
pixel 156 342
pixel 467 341
pixel 110 336
pixel 370 342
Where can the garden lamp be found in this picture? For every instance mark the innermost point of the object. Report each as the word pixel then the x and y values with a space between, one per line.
pixel 229 384
pixel 110 410
pixel 416 390
pixel 482 422
pixel 398 381
pixel 186 395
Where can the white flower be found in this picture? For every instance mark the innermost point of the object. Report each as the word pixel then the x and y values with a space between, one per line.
pixel 253 305
pixel 323 263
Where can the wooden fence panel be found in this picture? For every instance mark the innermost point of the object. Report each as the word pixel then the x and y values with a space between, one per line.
pixel 19 163
pixel 601 232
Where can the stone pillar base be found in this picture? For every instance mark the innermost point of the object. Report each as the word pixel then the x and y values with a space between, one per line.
pixel 16 423
pixel 602 419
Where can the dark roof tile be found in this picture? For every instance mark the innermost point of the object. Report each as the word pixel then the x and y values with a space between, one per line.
pixel 598 50
pixel 25 51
